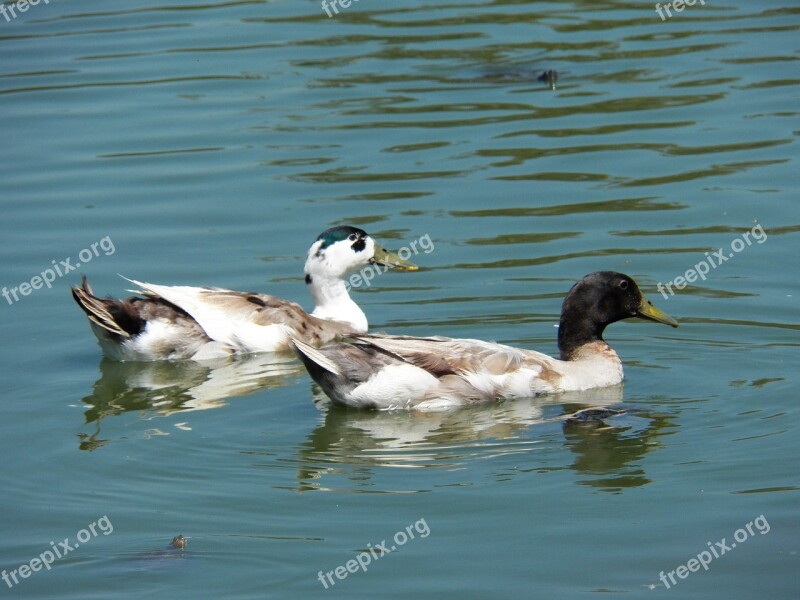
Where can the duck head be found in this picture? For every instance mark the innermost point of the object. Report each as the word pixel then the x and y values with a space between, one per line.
pixel 342 249
pixel 596 301
pixel 336 252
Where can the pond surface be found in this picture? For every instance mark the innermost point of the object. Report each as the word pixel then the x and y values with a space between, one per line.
pixel 208 144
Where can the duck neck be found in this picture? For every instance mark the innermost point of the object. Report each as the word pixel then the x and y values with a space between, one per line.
pixel 575 330
pixel 333 302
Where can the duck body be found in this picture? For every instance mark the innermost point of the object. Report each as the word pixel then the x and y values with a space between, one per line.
pixel 179 322
pixel 398 372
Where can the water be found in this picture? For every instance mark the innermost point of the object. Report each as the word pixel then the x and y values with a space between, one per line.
pixel 211 143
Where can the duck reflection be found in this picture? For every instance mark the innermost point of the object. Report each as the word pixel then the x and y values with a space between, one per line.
pixel 163 388
pixel 607 440
pixel 609 450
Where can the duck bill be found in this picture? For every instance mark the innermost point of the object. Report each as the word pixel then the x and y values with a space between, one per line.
pixel 646 310
pixel 385 258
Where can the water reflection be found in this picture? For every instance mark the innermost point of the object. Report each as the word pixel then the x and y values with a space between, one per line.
pixel 163 388
pixel 350 449
pixel 608 452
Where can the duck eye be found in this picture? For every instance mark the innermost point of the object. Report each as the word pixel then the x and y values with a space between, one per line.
pixel 352 237
pixel 623 285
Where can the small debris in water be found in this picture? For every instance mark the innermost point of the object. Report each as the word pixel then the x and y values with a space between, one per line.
pixel 179 542
pixel 550 77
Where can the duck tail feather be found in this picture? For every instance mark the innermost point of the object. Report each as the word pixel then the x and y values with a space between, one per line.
pixel 315 360
pixel 96 309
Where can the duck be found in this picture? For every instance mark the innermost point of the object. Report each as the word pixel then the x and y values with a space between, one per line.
pixel 390 372
pixel 205 323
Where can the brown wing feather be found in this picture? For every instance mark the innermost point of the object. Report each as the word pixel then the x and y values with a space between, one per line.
pixel 442 356
pixel 269 310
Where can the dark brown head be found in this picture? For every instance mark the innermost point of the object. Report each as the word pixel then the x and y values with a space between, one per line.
pixel 179 542
pixel 598 300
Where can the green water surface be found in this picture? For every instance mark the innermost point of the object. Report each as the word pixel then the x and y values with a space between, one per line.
pixel 208 144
